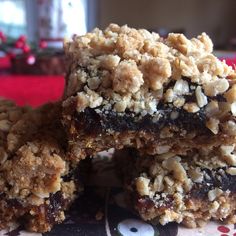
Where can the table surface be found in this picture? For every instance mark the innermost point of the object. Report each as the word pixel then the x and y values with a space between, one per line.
pixel 31 90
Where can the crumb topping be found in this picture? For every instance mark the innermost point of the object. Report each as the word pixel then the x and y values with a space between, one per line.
pixel 125 69
pixel 156 71
pixel 127 77
pixel 33 172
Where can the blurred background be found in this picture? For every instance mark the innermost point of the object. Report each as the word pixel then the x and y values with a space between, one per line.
pixel 32 32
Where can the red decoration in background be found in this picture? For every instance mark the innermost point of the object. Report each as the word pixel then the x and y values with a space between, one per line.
pixel 22 44
pixel 11 55
pixel 19 44
pixel 31 59
pixel 23 48
pixel 22 38
pixel 26 48
pixel 43 44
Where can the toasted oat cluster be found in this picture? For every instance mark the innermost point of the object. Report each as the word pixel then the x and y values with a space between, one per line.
pixel 134 88
pixel 190 189
pixel 32 167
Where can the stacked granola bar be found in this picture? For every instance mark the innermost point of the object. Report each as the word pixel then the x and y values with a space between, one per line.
pixel 170 100
pixel 167 106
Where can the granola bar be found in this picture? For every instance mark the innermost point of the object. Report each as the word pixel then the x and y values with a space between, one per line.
pixel 132 88
pixel 189 189
pixel 36 184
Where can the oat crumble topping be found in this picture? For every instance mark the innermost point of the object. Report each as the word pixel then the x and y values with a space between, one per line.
pixel 123 68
